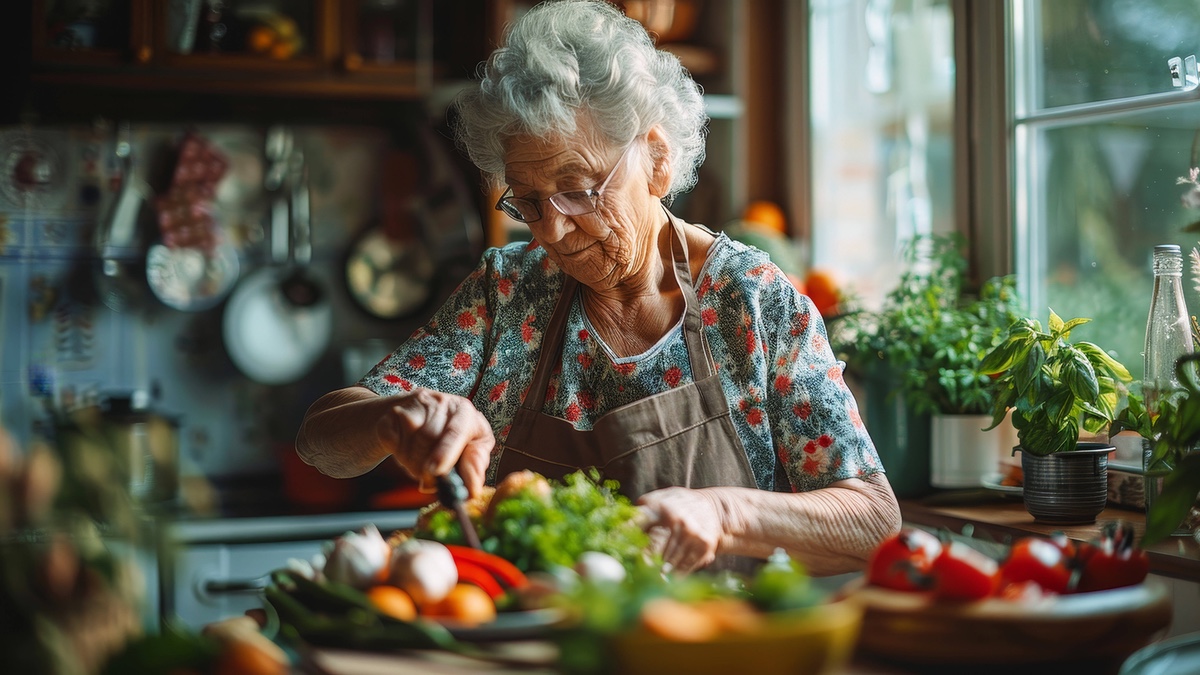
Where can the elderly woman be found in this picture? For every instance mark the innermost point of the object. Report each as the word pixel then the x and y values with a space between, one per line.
pixel 677 361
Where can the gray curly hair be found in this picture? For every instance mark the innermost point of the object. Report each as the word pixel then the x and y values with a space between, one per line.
pixel 570 56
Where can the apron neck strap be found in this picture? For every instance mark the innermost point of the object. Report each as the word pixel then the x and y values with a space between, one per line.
pixel 693 334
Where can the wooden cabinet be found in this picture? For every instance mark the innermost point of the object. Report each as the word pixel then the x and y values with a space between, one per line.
pixel 340 49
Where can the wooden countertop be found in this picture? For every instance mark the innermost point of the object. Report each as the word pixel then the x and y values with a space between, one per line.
pixel 1004 519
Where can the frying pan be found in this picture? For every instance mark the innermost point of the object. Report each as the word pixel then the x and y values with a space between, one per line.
pixel 395 266
pixel 273 335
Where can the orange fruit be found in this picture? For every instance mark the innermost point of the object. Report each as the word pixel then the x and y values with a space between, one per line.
pixel 393 601
pixel 767 214
pixel 283 50
pixel 241 657
pixel 821 288
pixel 466 603
pixel 261 39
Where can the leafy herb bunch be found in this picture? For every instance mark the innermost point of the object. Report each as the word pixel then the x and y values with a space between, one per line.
pixel 1052 385
pixel 930 333
pixel 582 513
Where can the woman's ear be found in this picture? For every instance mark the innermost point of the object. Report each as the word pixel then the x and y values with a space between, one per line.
pixel 660 157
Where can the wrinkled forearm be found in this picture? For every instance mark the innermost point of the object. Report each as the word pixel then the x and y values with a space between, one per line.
pixel 830 531
pixel 339 435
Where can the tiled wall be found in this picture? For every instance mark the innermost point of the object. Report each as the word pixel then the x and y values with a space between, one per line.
pixel 57 341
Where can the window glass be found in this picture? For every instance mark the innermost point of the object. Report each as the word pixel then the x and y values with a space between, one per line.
pixel 882 115
pixel 1097 187
pixel 1097 50
pixel 1108 194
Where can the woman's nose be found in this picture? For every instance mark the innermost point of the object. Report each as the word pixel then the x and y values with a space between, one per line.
pixel 552 226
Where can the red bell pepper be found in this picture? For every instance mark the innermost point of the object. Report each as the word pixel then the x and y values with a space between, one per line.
pixel 504 571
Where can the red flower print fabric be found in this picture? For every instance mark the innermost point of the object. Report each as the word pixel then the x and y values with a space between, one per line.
pixel 788 401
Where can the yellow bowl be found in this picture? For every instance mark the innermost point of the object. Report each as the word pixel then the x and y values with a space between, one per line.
pixel 1100 628
pixel 816 640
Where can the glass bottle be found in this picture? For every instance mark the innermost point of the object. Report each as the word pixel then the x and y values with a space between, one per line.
pixel 1168 336
pixel 1168 329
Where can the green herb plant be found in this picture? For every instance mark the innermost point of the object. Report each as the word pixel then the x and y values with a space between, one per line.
pixel 1052 385
pixel 930 333
pixel 1173 432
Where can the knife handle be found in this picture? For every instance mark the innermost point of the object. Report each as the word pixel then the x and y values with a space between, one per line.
pixel 451 489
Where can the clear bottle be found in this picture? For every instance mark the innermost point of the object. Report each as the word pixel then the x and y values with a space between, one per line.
pixel 1168 329
pixel 1168 336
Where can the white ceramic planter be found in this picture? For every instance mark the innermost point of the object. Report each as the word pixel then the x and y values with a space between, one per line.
pixel 962 454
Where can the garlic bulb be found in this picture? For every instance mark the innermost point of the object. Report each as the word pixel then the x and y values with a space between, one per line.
pixel 425 570
pixel 359 559
pixel 602 567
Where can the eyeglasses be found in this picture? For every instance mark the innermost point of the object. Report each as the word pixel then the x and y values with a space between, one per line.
pixel 569 203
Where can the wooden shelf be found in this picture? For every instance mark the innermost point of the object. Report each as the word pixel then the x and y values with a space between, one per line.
pixel 1177 557
pixel 381 88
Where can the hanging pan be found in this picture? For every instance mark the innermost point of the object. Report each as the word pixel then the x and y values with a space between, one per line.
pixel 278 322
pixel 389 269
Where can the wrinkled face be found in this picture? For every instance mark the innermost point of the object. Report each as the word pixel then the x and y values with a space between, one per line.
pixel 601 249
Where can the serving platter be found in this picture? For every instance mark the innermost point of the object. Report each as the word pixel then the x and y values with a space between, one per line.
pixel 1101 628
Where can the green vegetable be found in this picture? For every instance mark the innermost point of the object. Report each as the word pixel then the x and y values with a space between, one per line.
pixel 336 615
pixel 582 514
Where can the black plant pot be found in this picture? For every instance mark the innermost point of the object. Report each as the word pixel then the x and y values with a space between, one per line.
pixel 1067 488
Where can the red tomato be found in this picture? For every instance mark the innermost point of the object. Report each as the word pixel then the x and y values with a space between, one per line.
pixel 1115 560
pixel 962 573
pixel 1040 561
pixel 903 560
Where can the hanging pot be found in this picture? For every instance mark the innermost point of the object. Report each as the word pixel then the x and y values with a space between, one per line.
pixel 279 321
pixel 1067 488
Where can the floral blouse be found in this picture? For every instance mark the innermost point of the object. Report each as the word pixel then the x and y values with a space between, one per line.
pixel 786 395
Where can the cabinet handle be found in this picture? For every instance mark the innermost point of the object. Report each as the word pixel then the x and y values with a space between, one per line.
pixel 210 587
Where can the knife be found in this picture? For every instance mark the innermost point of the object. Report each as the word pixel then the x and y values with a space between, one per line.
pixel 452 493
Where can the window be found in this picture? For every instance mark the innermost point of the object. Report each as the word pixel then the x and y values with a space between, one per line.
pixel 882 96
pixel 1100 136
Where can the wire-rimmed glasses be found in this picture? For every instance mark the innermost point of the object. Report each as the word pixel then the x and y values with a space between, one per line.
pixel 568 203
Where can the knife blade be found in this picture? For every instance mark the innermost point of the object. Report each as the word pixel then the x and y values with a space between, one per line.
pixel 452 493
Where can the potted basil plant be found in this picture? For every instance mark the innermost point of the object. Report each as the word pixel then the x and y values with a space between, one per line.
pixel 1054 387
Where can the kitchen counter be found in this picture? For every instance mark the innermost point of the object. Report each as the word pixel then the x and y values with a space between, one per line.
pixel 294 527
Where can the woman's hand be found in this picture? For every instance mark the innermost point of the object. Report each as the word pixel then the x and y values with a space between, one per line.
pixel 689 520
pixel 430 431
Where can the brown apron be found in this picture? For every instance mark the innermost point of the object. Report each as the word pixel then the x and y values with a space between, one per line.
pixel 680 437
